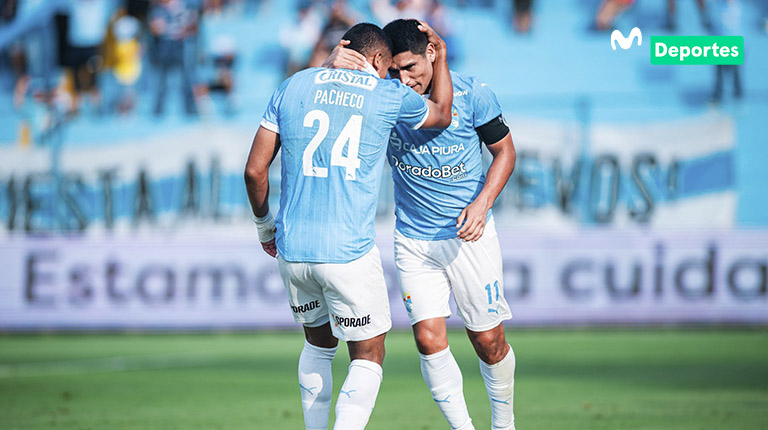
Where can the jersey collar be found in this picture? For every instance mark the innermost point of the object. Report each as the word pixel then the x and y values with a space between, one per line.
pixel 369 68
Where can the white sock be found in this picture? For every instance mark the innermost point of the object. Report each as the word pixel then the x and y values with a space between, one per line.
pixel 316 385
pixel 358 395
pixel 500 384
pixel 443 378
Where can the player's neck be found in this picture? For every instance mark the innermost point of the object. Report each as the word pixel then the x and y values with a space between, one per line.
pixel 370 69
pixel 428 91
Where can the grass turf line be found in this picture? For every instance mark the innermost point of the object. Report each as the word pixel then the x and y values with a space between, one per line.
pixel 591 379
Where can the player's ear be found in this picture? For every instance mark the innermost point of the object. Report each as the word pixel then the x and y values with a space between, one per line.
pixel 381 63
pixel 376 62
pixel 431 52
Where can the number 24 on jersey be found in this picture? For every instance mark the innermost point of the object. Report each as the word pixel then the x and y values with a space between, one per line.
pixel 349 134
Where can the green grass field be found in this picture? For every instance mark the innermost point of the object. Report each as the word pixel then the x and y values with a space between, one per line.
pixel 591 379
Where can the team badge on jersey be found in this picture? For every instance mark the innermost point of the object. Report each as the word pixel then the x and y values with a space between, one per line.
pixel 408 302
pixel 454 119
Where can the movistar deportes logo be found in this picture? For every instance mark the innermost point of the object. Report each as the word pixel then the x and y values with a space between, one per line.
pixel 694 50
pixel 626 42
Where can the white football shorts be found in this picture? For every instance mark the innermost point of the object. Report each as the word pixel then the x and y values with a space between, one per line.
pixel 352 296
pixel 428 270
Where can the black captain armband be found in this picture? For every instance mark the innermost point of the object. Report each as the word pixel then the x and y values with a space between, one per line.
pixel 493 131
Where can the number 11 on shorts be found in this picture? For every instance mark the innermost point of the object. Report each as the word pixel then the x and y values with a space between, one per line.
pixel 491 297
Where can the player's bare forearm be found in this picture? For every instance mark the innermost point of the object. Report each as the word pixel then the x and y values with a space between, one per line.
pixel 442 86
pixel 471 221
pixel 501 168
pixel 258 195
pixel 263 150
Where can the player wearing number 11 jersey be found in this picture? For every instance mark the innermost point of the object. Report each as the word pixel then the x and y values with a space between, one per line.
pixel 445 239
pixel 333 127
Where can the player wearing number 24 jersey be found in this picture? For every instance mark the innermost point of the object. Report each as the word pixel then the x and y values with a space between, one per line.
pixel 333 127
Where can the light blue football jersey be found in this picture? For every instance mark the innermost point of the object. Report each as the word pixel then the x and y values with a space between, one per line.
pixel 437 173
pixel 334 126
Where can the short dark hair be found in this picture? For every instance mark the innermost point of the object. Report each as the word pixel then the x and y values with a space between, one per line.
pixel 406 36
pixel 367 38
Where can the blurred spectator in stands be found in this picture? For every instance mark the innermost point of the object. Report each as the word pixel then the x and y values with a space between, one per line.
pixel 219 46
pixel 15 54
pixel 212 7
pixel 299 38
pixel 440 19
pixel 608 12
pixel 434 12
pixel 340 19
pixel 672 15
pixel 50 106
pixel 386 11
pixel 224 55
pixel 727 22
pixel 764 16
pixel 522 18
pixel 474 3
pixel 251 6
pixel 137 9
pixel 173 25
pixel 126 62
pixel 7 10
pixel 29 57
pixel 86 31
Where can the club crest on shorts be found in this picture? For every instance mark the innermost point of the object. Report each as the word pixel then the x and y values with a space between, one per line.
pixel 408 302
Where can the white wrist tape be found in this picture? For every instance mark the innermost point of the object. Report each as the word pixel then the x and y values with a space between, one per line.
pixel 266 227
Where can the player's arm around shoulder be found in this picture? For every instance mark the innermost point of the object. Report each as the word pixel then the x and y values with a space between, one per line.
pixel 441 97
pixel 471 221
pixel 265 145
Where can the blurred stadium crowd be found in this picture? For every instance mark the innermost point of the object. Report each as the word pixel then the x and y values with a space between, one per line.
pixel 62 58
pixel 105 57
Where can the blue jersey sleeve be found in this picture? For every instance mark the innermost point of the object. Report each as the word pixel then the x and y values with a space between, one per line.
pixel 485 107
pixel 270 119
pixel 414 109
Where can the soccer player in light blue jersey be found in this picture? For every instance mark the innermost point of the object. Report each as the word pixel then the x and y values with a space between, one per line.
pixel 445 239
pixel 333 127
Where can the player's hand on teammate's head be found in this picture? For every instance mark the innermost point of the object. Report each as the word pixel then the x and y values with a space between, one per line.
pixel 270 248
pixel 342 58
pixel 434 39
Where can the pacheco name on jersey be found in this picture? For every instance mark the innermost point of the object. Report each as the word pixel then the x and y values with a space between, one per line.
pixel 454 173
